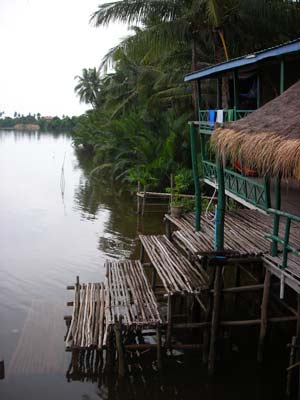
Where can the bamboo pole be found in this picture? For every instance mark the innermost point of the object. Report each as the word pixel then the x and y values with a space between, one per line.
pixel 159 350
pixel 264 316
pixel 215 321
pixel 169 318
pixel 290 371
pixel 138 204
pixel 120 350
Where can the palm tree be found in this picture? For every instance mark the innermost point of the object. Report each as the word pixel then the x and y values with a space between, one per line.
pixel 225 27
pixel 88 87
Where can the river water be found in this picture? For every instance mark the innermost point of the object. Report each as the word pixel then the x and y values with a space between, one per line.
pixel 57 223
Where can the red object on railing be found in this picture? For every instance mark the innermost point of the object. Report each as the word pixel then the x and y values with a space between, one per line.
pixel 244 171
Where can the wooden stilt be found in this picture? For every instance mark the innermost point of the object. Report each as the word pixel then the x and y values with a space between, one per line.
pixel 208 319
pixel 159 352
pixel 138 202
pixel 298 342
pixel 120 350
pixel 142 253
pixel 215 321
pixel 144 201
pixel 290 371
pixel 168 229
pixel 264 316
pixel 169 328
pixel 153 283
pixel 237 282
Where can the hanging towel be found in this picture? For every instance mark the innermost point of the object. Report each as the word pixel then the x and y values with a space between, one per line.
pixel 230 115
pixel 220 116
pixel 211 117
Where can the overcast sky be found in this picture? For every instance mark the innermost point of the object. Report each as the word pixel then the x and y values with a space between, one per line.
pixel 44 45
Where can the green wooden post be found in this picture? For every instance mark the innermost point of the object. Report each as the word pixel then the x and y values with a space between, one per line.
pixel 282 74
pixel 258 90
pixel 221 206
pixel 285 243
pixel 219 93
pixel 267 190
pixel 235 92
pixel 199 98
pixel 277 206
pixel 198 202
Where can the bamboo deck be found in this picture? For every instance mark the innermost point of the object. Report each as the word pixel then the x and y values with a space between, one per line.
pixel 126 296
pixel 244 233
pixel 176 272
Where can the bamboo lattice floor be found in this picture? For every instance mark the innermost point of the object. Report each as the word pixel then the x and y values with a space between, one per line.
pixel 244 233
pixel 176 272
pixel 125 295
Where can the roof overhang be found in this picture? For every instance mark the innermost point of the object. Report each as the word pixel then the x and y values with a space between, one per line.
pixel 277 51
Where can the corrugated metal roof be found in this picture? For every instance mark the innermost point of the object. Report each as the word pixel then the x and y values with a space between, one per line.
pixel 282 49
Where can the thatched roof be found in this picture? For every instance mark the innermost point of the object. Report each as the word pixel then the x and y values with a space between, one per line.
pixel 267 139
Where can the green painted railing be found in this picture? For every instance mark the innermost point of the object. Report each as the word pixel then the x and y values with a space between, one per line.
pixel 228 115
pixel 283 241
pixel 253 192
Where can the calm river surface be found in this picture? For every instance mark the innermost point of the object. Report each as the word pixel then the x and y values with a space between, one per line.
pixel 55 224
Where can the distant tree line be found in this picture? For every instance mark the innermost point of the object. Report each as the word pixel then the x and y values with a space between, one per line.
pixel 55 124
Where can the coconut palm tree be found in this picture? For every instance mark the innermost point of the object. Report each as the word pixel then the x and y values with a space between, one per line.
pixel 88 87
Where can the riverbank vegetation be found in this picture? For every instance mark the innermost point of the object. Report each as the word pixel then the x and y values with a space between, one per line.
pixel 36 121
pixel 137 127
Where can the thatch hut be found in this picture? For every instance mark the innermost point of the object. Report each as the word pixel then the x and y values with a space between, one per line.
pixel 268 139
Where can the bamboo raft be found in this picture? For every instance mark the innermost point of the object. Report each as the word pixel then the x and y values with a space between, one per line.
pixel 176 272
pixel 129 295
pixel 125 297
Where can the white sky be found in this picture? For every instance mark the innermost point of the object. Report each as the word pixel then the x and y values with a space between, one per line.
pixel 44 45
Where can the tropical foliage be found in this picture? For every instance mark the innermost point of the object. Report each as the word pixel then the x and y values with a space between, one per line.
pixel 137 127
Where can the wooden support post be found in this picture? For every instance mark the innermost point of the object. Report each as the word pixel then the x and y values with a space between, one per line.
pixel 110 352
pixel 277 206
pixel 258 89
pixel 235 92
pixel 198 201
pixel 282 76
pixel 168 229
pixel 215 320
pixel 144 201
pixel 120 350
pixel 219 225
pixel 169 328
pixel 264 316
pixel 298 342
pixel 153 283
pixel 237 282
pixel 219 93
pixel 288 391
pixel 159 351
pixel 142 253
pixel 208 318
pixel 138 202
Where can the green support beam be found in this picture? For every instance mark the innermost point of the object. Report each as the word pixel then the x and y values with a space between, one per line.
pixel 258 90
pixel 235 91
pixel 198 201
pixel 220 218
pixel 282 76
pixel 277 206
pixel 219 93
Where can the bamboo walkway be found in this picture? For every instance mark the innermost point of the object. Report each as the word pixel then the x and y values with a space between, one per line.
pixel 125 297
pixel 245 232
pixel 176 272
